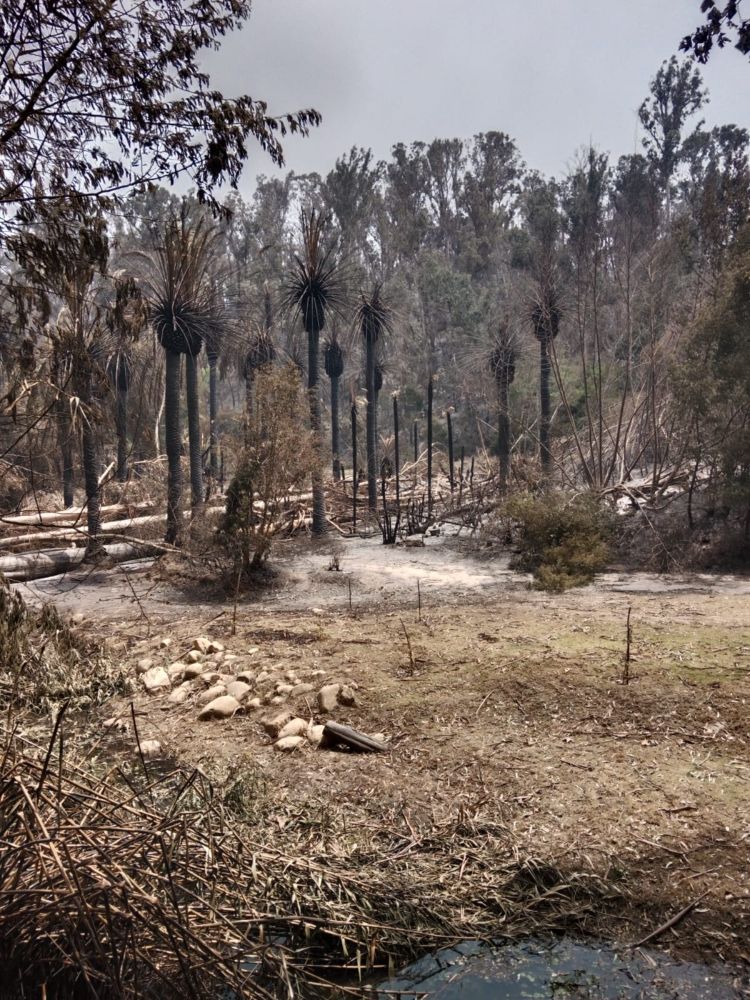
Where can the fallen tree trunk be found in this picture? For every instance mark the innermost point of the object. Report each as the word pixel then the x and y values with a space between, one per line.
pixel 51 562
pixel 68 534
pixel 72 514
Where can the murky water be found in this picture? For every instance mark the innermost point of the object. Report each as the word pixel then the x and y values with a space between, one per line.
pixel 560 970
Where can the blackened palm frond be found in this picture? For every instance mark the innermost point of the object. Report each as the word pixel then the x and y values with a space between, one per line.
pixel 373 315
pixel 260 353
pixel 315 286
pixel 186 305
pixel 502 358
pixel 333 358
pixel 545 315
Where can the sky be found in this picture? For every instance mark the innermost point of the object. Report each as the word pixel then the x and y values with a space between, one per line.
pixel 555 75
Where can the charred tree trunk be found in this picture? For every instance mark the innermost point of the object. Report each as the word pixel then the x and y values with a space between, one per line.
pixel 319 525
pixel 173 444
pixel 90 455
pixel 397 454
pixel 121 417
pixel 355 467
pixel 213 413
pixel 503 432
pixel 335 435
pixel 545 455
pixel 451 457
pixel 194 431
pixel 430 395
pixel 372 428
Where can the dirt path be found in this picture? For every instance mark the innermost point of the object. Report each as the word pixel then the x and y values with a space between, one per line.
pixel 510 706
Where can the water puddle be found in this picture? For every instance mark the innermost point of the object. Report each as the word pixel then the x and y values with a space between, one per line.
pixel 561 970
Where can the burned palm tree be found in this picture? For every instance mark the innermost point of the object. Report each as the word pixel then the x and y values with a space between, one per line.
pixel 125 319
pixel 502 364
pixel 373 320
pixel 184 312
pixel 313 291
pixel 260 354
pixel 333 360
pixel 545 319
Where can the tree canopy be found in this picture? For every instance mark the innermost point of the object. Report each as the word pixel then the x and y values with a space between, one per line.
pixel 96 98
pixel 722 26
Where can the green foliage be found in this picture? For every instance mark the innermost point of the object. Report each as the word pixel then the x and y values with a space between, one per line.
pixel 562 540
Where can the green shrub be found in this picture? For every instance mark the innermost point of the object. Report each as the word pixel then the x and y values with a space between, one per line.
pixel 563 540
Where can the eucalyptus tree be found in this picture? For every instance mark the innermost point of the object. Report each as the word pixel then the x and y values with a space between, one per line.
pixel 313 290
pixel 677 93
pixel 124 321
pixel 722 25
pixel 373 320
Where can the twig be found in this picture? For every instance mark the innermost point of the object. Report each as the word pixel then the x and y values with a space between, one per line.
pixel 672 922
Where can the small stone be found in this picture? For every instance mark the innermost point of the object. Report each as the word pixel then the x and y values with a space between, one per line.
pixel 295 727
pixel 202 644
pixel 246 677
pixel 252 703
pixel 216 658
pixel 291 676
pixel 215 647
pixel 223 707
pixel 238 689
pixel 180 694
pixel 289 743
pixel 156 679
pixel 211 677
pixel 300 689
pixel 283 688
pixel 176 671
pixel 253 650
pixel 149 748
pixel 318 673
pixel 328 698
pixel 379 736
pixel 315 735
pixel 164 643
pixel 317 611
pixel 143 665
pixel 119 725
pixel 77 618
pixel 277 699
pixel 262 677
pixel 346 695
pixel 211 694
pixel 194 656
pixel 193 670
pixel 414 541
pixel 275 723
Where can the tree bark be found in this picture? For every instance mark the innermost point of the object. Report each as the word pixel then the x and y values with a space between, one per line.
pixel 397 454
pixel 66 450
pixel 90 454
pixel 545 454
pixel 371 429
pixel 355 467
pixel 194 431
pixel 503 432
pixel 319 525
pixel 121 417
pixel 335 434
pixel 430 395
pixel 213 413
pixel 173 443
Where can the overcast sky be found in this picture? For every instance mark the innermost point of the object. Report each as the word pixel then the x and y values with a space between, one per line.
pixel 553 74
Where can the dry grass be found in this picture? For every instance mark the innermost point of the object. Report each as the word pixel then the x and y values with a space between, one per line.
pixel 128 882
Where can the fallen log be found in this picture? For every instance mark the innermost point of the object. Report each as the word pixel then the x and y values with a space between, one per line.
pixel 51 562
pixel 107 527
pixel 71 514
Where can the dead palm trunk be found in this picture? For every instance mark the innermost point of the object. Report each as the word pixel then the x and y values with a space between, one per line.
pixel 371 429
pixel 503 368
pixel 194 431
pixel 334 365
pixel 213 413
pixel 319 525
pixel 173 444
pixel 397 454
pixel 355 467
pixel 546 321
pixel 430 396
